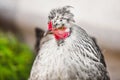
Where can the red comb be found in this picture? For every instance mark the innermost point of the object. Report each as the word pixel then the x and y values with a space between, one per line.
pixel 50 25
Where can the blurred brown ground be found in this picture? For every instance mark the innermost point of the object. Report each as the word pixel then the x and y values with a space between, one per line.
pixel 112 59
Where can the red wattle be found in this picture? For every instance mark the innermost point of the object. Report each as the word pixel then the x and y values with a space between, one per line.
pixel 61 35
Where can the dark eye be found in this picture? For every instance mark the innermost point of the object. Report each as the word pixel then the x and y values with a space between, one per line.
pixel 61 20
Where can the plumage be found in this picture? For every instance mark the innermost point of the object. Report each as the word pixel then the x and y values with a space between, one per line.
pixel 75 57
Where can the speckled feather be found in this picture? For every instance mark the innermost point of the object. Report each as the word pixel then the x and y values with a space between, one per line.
pixel 77 58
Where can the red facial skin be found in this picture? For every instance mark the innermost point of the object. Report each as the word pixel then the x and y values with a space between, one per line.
pixel 58 33
pixel 50 25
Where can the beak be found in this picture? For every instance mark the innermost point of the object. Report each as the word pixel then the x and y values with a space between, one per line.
pixel 48 32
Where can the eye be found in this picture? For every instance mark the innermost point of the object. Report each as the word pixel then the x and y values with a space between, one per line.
pixel 51 17
pixel 61 20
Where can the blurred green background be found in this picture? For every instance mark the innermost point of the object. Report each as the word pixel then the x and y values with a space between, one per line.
pixel 16 58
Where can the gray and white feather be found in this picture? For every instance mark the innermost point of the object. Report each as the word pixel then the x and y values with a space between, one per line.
pixel 77 58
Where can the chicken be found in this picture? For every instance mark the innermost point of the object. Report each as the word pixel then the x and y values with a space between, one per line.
pixel 67 52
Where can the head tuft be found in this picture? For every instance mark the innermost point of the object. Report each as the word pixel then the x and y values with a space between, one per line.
pixel 61 15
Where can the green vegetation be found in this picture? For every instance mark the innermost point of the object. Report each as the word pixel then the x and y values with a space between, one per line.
pixel 15 58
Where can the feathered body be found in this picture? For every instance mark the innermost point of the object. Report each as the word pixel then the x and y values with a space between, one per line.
pixel 76 57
